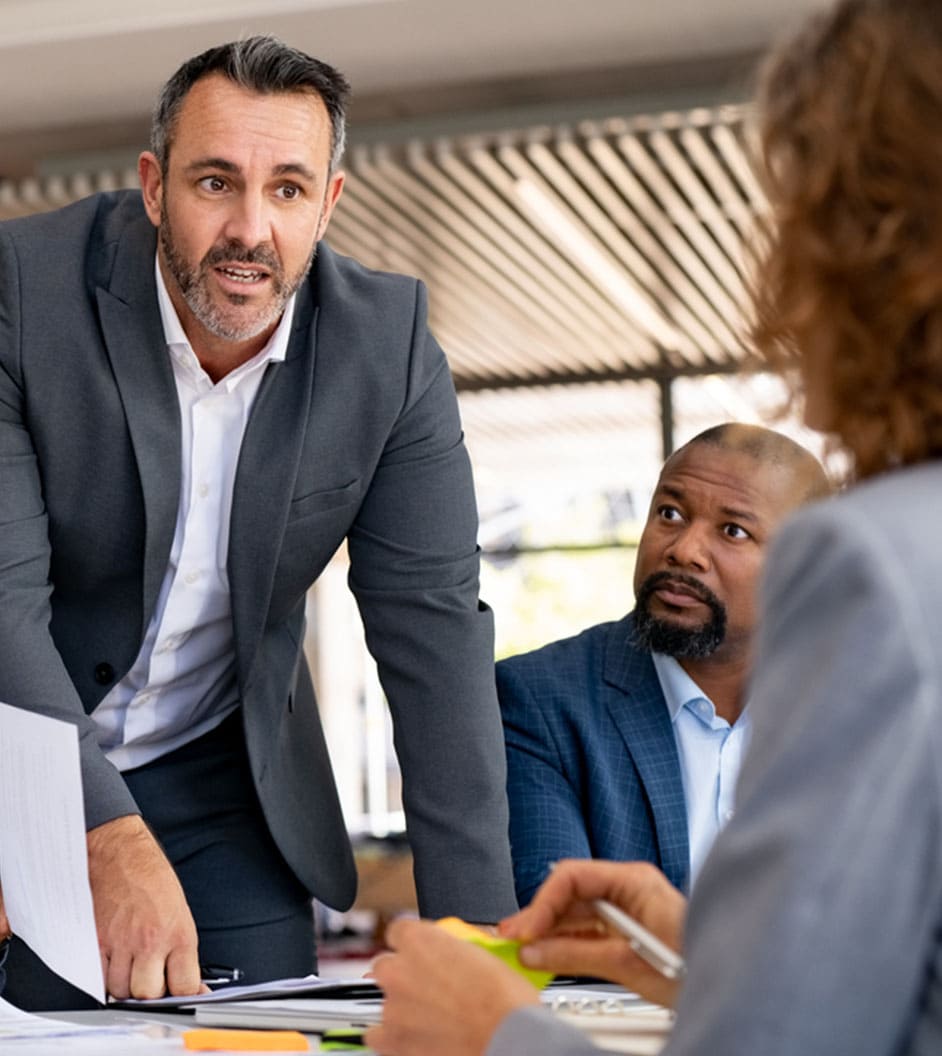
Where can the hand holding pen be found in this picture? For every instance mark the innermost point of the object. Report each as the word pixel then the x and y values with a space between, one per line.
pixel 570 927
pixel 645 944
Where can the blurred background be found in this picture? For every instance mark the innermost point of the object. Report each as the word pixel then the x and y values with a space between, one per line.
pixel 572 182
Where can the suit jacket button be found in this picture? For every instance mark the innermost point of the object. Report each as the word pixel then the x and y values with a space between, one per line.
pixel 104 674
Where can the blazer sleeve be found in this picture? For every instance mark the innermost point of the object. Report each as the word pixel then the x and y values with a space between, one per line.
pixel 546 812
pixel 32 674
pixel 812 927
pixel 533 1031
pixel 414 564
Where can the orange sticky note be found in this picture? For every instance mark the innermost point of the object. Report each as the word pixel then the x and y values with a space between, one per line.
pixel 207 1040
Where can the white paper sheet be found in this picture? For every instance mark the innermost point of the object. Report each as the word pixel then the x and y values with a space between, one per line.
pixel 28 1035
pixel 43 856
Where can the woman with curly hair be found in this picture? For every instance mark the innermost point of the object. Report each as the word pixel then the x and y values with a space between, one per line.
pixel 815 928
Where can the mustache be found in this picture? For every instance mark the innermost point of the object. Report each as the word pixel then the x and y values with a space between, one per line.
pixel 690 583
pixel 232 252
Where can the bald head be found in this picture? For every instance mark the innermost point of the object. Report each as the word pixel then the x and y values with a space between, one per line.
pixel 766 447
pixel 719 500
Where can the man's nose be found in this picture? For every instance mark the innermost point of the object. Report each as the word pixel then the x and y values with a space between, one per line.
pixel 249 221
pixel 689 548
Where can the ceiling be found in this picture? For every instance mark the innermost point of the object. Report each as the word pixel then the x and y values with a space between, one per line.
pixel 568 179
pixel 75 69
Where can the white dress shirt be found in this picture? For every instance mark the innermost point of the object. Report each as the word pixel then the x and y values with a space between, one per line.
pixel 711 752
pixel 183 683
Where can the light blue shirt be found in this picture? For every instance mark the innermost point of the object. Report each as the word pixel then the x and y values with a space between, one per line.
pixel 710 752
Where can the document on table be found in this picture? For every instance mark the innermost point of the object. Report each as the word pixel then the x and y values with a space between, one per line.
pixel 17 1025
pixel 303 986
pixel 24 1034
pixel 43 856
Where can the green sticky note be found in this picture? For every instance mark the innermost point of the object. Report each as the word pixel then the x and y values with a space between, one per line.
pixel 508 950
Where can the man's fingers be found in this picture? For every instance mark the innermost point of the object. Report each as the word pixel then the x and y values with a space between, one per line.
pixel 573 956
pixel 148 975
pixel 154 974
pixel 118 974
pixel 183 972
pixel 609 958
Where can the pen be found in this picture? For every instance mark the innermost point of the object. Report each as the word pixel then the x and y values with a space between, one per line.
pixel 214 975
pixel 647 946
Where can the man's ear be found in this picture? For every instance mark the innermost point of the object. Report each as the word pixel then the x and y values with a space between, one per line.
pixel 152 185
pixel 334 190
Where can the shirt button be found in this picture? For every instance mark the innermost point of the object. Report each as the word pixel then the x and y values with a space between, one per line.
pixel 203 490
pixel 729 814
pixel 104 674
pixel 191 577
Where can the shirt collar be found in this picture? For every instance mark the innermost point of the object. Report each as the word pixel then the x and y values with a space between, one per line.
pixel 678 687
pixel 275 350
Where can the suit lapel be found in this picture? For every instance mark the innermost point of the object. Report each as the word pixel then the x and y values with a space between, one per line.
pixel 641 716
pixel 133 334
pixel 265 478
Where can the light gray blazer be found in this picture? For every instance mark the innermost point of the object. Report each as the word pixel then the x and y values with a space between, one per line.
pixel 355 436
pixel 816 925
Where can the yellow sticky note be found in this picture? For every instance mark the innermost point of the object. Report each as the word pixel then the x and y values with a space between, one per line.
pixel 506 949
pixel 208 1040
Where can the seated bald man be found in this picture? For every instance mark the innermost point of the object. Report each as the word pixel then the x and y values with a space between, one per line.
pixel 624 742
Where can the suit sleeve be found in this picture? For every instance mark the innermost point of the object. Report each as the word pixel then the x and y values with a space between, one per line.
pixel 533 1031
pixel 546 813
pixel 414 564
pixel 32 674
pixel 813 923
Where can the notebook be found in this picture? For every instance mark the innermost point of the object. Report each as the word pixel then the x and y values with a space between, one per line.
pixel 298 1013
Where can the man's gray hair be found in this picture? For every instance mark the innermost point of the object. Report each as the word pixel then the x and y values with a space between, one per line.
pixel 261 64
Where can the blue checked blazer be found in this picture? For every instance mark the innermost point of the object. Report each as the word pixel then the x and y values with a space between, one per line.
pixel 592 765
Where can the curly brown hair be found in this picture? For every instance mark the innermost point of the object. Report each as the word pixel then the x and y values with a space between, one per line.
pixel 849 283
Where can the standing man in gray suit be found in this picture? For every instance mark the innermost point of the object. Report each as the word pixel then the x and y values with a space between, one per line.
pixel 198 405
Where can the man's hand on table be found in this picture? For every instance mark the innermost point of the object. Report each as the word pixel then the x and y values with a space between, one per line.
pixel 146 932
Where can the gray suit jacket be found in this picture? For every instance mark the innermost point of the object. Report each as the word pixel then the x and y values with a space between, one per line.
pixel 355 436
pixel 816 925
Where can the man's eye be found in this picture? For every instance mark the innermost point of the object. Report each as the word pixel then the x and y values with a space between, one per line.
pixel 735 531
pixel 289 192
pixel 213 183
pixel 668 513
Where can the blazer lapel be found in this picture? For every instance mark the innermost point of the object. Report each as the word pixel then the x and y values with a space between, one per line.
pixel 265 478
pixel 640 714
pixel 133 334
